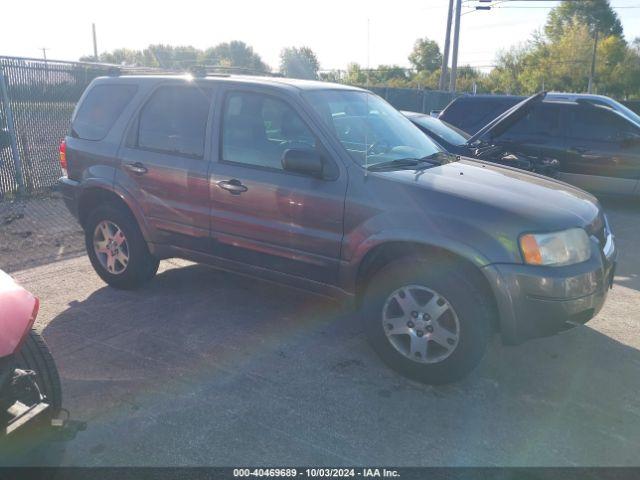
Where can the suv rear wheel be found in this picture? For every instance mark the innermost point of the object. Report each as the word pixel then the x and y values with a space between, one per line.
pixel 426 319
pixel 117 249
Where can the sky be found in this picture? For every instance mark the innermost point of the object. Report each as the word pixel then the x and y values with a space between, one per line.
pixel 339 31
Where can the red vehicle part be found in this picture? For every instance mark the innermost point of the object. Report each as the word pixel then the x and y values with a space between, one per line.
pixel 18 312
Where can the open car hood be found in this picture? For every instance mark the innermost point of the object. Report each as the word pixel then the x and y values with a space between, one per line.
pixel 504 121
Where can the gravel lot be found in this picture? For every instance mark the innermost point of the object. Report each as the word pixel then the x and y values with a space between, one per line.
pixel 209 368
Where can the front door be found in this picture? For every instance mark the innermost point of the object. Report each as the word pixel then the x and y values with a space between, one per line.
pixel 603 154
pixel 163 164
pixel 261 214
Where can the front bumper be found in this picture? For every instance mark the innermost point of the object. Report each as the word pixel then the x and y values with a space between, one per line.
pixel 537 301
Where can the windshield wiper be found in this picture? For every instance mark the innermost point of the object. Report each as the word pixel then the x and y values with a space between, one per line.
pixel 402 163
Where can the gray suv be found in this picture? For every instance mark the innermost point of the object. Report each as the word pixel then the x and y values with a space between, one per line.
pixel 328 188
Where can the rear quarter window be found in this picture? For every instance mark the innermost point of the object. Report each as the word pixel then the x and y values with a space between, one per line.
pixel 100 109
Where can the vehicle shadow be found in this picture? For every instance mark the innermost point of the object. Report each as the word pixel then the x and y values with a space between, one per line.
pixel 207 368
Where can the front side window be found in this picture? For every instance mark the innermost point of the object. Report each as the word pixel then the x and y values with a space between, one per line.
pixel 174 120
pixel 543 119
pixel 370 129
pixel 100 109
pixel 257 129
pixel 599 124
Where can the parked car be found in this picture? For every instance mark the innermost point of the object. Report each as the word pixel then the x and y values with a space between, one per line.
pixel 472 112
pixel 596 143
pixel 30 392
pixel 328 188
pixel 456 141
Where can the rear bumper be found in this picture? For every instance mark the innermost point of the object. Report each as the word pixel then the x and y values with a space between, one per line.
pixel 70 191
pixel 539 301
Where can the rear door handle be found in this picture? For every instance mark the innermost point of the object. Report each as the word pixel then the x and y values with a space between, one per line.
pixel 137 168
pixel 233 186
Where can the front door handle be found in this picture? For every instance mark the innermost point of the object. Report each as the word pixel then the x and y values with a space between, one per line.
pixel 233 186
pixel 579 150
pixel 137 168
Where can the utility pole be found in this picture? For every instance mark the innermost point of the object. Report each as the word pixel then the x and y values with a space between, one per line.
pixel 593 62
pixel 456 39
pixel 95 42
pixel 445 54
pixel 46 65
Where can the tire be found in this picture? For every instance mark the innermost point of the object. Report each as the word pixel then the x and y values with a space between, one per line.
pixel 141 266
pixel 467 311
pixel 35 355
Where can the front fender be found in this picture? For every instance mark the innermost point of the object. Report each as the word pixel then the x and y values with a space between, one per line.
pixel 358 252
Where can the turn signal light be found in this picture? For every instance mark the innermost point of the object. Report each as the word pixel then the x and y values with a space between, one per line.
pixel 530 250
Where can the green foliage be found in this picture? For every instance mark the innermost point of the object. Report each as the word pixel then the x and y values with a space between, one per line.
pixel 299 63
pixel 425 55
pixel 563 63
pixel 232 54
pixel 596 14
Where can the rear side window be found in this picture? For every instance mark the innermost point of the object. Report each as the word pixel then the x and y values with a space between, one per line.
pixel 174 120
pixel 100 109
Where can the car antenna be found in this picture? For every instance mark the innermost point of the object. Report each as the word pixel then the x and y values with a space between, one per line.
pixel 366 132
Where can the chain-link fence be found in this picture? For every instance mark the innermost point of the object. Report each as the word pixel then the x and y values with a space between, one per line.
pixel 414 100
pixel 36 104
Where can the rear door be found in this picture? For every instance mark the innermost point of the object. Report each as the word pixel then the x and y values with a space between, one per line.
pixel 603 152
pixel 261 214
pixel 164 167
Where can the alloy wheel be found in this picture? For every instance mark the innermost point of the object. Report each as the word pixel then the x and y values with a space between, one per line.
pixel 421 324
pixel 111 247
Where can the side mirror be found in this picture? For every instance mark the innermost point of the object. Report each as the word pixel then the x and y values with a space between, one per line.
pixel 5 139
pixel 304 161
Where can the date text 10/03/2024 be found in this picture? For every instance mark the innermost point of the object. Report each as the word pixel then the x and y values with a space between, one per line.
pixel 316 472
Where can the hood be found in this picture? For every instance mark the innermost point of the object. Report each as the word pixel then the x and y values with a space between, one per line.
pixel 504 121
pixel 489 194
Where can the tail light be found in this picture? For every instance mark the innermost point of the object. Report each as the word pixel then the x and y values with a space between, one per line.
pixel 63 157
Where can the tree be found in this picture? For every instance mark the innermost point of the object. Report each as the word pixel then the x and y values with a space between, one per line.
pixel 299 63
pixel 120 56
pixel 596 14
pixel 234 54
pixel 425 55
pixel 355 75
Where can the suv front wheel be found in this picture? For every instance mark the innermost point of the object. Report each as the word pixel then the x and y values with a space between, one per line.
pixel 426 319
pixel 117 249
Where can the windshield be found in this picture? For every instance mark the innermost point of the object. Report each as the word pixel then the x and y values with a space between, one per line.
pixel 370 129
pixel 448 133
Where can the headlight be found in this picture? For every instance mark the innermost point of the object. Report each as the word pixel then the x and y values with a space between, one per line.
pixel 558 248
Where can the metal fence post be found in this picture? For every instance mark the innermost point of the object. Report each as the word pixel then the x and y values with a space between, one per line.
pixel 11 127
